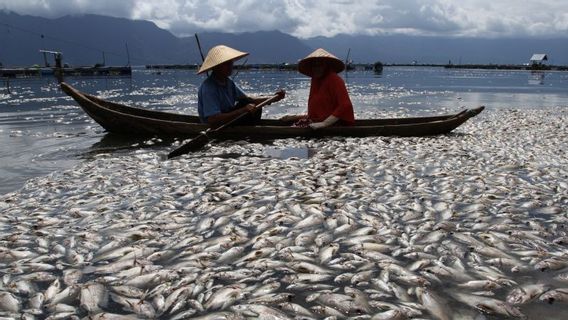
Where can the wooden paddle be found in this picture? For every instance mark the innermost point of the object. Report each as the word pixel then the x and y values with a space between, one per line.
pixel 202 139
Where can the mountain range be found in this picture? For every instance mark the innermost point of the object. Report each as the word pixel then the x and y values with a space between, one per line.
pixel 90 39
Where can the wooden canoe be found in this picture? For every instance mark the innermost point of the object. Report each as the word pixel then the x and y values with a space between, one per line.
pixel 133 121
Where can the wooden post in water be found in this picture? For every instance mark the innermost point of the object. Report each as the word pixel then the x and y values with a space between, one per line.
pixel 127 55
pixel 58 67
pixel 45 59
pixel 58 71
pixel 8 85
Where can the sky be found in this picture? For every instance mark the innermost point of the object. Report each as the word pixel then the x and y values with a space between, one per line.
pixel 306 19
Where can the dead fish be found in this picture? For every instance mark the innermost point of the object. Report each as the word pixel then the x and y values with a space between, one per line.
pixel 489 305
pixel 223 315
pixel 151 279
pixel 306 277
pixel 52 290
pixel 265 289
pixel 327 311
pixel 514 264
pixel 555 295
pixel 140 307
pixel 549 210
pixel 271 298
pixel 176 301
pixel 298 286
pixel 305 238
pixel 23 287
pixel 306 267
pixel 128 291
pixel 363 276
pixel 315 218
pixel 9 302
pixel 525 294
pixel 323 239
pixel 67 295
pixel 93 297
pixel 328 252
pixel 254 255
pixel 372 246
pixel 72 276
pixel 433 303
pixel 225 297
pixel 551 264
pixel 260 312
pixel 393 314
pixel 36 301
pixel 480 284
pixel 419 264
pixel 563 276
pixel 61 308
pixel 360 299
pixel 231 254
pixel 184 314
pixel 296 309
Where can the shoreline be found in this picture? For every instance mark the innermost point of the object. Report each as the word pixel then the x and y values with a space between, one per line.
pixel 372 67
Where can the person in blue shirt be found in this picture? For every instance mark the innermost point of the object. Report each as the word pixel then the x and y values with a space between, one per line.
pixel 220 100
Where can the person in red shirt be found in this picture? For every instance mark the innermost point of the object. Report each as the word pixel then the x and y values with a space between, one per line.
pixel 329 102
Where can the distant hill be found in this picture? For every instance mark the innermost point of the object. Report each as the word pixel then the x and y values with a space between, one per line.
pixel 84 38
pixel 263 46
pixel 435 50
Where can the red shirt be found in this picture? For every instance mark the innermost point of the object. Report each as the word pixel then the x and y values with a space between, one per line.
pixel 328 96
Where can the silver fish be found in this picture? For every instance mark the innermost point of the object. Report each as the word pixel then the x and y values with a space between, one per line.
pixel 296 309
pixel 9 302
pixel 525 294
pixel 225 297
pixel 140 307
pixel 260 312
pixel 393 314
pixel 433 303
pixel 489 305
pixel 560 294
pixel 93 297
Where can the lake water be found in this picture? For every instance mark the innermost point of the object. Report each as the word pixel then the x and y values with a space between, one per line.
pixel 42 130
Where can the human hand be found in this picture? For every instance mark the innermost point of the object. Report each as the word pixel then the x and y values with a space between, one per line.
pixel 318 125
pixel 249 107
pixel 325 123
pixel 281 94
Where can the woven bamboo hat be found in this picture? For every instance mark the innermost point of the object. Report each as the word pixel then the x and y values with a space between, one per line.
pixel 305 65
pixel 218 55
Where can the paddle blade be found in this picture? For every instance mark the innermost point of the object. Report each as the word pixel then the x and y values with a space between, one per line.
pixel 193 145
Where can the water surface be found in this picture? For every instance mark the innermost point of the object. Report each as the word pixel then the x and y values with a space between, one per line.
pixel 43 130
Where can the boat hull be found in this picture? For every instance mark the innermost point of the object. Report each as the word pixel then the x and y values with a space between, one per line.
pixel 132 121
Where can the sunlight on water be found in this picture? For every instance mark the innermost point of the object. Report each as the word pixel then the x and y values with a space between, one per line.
pixel 35 109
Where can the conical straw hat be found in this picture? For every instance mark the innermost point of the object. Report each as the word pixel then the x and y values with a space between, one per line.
pixel 305 65
pixel 219 54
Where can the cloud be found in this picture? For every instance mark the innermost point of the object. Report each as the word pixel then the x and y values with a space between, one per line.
pixel 58 8
pixel 304 18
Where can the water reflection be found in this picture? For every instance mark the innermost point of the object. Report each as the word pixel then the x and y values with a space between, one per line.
pixel 536 78
pixel 116 143
pixel 287 153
